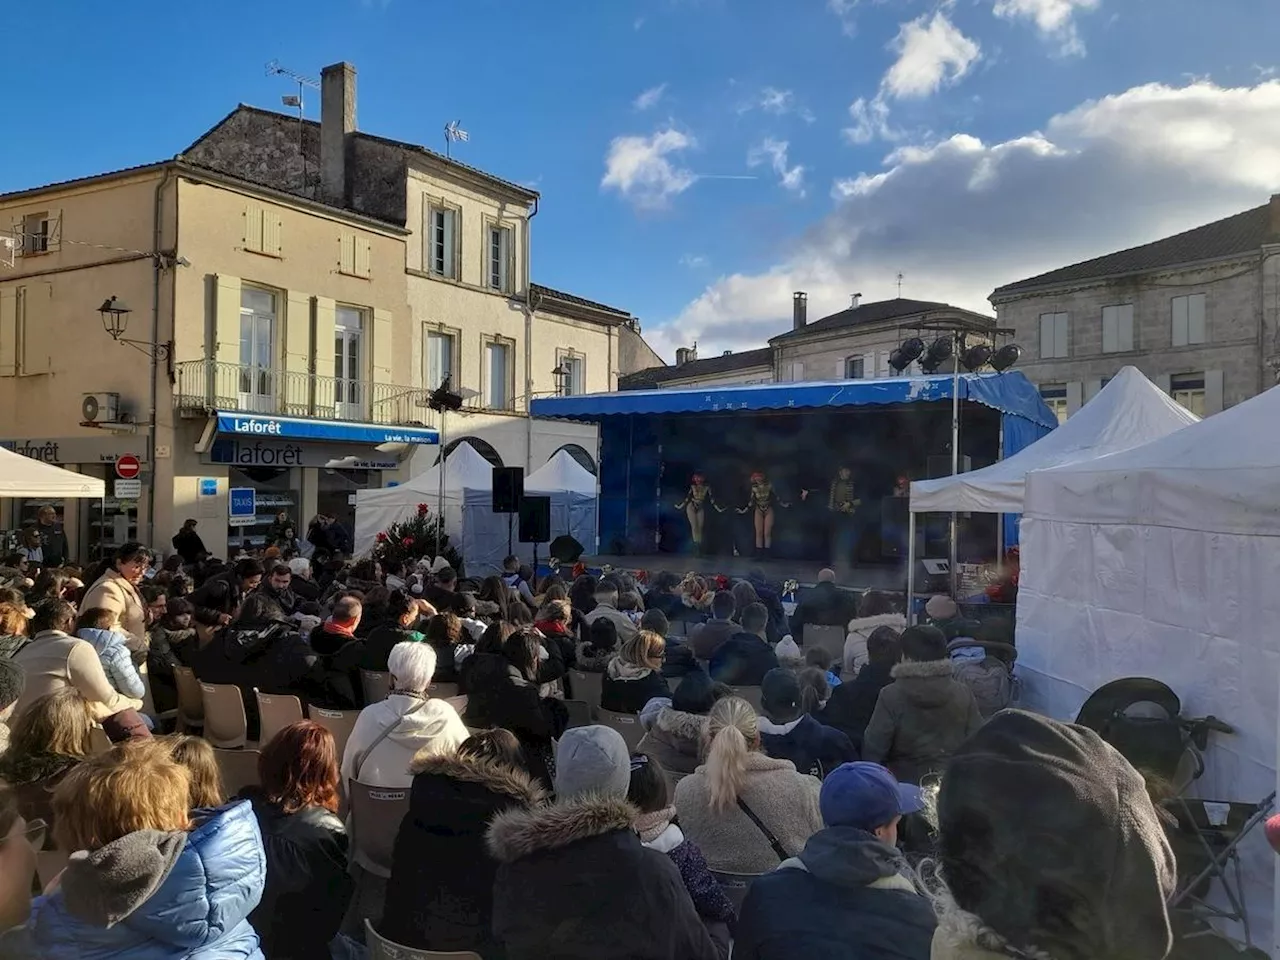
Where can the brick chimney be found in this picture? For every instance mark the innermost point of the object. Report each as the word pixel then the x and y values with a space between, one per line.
pixel 337 121
pixel 799 309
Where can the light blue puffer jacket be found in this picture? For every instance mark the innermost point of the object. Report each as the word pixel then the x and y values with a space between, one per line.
pixel 160 896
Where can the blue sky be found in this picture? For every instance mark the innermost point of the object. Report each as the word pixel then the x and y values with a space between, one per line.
pixel 964 143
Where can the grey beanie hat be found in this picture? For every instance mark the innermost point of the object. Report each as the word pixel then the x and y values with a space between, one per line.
pixel 592 760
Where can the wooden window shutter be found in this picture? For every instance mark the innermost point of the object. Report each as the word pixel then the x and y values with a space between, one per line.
pixel 363 257
pixel 8 332
pixel 225 335
pixel 382 349
pixel 53 239
pixel 34 331
pixel 347 253
pixel 253 227
pixel 272 226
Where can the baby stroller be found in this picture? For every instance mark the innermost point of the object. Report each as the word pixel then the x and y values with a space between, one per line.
pixel 1142 718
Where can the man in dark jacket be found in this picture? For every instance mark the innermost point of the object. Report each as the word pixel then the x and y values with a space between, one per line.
pixel 574 881
pixel 278 586
pixel 745 658
pixel 188 543
pixel 707 637
pixel 398 627
pixel 443 593
pixel 220 596
pixel 788 733
pixel 846 895
pixel 853 702
pixel 53 540
pixel 825 605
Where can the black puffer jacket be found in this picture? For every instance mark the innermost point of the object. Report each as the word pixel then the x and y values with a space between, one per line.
pixel 498 698
pixel 308 886
pixel 218 595
pixel 440 896
pixel 574 882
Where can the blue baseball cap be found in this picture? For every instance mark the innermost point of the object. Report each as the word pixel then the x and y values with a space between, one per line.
pixel 866 796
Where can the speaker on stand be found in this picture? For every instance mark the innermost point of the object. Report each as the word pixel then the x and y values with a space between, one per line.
pixel 535 524
pixel 508 491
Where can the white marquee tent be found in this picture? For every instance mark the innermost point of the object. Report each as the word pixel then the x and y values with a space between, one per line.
pixel 24 477
pixel 1127 412
pixel 1162 561
pixel 572 488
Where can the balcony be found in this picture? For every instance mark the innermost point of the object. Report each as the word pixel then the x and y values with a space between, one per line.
pixel 205 385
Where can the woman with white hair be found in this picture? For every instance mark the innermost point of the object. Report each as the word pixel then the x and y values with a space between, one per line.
pixel 388 733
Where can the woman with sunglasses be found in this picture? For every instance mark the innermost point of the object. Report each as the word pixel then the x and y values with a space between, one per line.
pixel 19 841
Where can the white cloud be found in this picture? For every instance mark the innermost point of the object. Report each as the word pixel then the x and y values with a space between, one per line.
pixel 774 153
pixel 779 103
pixel 870 121
pixel 1055 19
pixel 960 217
pixel 694 261
pixel 932 53
pixel 843 10
pixel 649 98
pixel 641 168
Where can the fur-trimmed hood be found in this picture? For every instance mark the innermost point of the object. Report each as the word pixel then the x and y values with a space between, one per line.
pixel 865 625
pixel 515 834
pixel 681 725
pixel 926 683
pixel 493 776
pixel 911 669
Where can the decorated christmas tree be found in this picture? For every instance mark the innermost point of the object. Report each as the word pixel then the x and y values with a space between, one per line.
pixel 415 539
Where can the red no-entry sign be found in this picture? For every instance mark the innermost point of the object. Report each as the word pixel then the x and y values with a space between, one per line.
pixel 128 467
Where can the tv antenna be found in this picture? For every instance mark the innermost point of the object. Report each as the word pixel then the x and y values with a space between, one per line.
pixel 899 285
pixel 453 133
pixel 274 69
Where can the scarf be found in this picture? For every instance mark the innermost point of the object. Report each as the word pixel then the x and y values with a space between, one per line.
pixel 346 629
pixel 650 825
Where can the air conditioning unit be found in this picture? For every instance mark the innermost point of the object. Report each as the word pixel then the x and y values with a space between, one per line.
pixel 100 407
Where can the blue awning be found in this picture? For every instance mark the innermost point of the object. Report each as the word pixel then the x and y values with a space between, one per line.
pixel 297 428
pixel 1010 393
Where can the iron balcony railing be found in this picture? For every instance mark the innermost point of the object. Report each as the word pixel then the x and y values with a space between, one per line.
pixel 210 385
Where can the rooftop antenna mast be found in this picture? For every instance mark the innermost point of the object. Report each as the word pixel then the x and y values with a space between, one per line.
pixel 899 285
pixel 274 69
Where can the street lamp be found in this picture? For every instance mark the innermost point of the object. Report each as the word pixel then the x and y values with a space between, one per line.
pixel 562 375
pixel 115 320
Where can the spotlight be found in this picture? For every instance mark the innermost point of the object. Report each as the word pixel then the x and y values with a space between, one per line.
pixel 939 352
pixel 929 365
pixel 1006 357
pixel 976 357
pixel 898 360
pixel 911 349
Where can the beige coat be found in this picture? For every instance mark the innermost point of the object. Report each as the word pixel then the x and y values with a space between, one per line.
pixel 784 800
pixel 54 661
pixel 113 592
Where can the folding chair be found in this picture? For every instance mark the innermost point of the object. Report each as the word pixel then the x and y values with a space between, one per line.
pixel 627 724
pixel 224 720
pixel 587 686
pixel 750 694
pixel 99 742
pixel 190 700
pixel 677 628
pixel 380 948
pixel 338 722
pixel 275 712
pixel 579 713
pixel 376 813
pixel 239 769
pixel 443 691
pixel 829 638
pixel 735 886
pixel 376 685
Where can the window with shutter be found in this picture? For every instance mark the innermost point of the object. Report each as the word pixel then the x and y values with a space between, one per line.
pixel 499 257
pixel 253 228
pixel 1053 335
pixel 1117 328
pixel 442 224
pixel 1187 319
pixel 347 254
pixel 364 257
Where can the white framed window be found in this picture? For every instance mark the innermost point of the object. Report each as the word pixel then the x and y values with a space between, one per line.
pixel 1117 328
pixel 35 234
pixel 1055 397
pixel 1054 328
pixel 441 358
pixel 1188 390
pixel 442 233
pixel 1187 319
pixel 498 375
pixel 574 381
pixel 855 368
pixel 797 370
pixel 498 272
pixel 348 357
pixel 258 315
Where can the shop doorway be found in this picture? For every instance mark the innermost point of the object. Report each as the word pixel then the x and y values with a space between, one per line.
pixel 337 494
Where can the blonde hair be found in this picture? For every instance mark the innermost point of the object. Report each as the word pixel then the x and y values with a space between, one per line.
pixel 733 732
pixel 13 620
pixel 645 649
pixel 196 754
pixel 60 722
pixel 129 788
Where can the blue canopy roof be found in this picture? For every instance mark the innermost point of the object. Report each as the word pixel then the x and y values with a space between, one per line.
pixel 1010 393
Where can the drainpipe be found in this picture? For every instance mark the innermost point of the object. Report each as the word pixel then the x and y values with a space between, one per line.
pixel 157 235
pixel 529 307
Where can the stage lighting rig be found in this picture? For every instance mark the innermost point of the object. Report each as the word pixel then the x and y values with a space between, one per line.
pixel 1006 357
pixel 975 358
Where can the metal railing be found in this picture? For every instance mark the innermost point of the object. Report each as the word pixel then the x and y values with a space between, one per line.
pixel 211 385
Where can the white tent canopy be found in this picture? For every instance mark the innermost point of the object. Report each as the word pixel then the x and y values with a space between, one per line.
pixel 24 477
pixel 572 488
pixel 1128 412
pixel 1161 562
pixel 561 473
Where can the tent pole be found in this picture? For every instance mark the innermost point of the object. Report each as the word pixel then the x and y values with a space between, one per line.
pixel 911 563
pixel 955 462
pixel 440 494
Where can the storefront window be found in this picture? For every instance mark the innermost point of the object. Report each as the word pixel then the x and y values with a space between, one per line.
pixel 336 496
pixel 274 494
pixel 112 523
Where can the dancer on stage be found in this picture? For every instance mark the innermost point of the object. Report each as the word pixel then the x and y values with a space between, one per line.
pixel 762 500
pixel 843 502
pixel 694 507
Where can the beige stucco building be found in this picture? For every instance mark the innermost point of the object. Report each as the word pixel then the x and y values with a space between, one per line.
pixel 294 294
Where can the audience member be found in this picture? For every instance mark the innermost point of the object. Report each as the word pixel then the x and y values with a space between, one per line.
pixel 708 637
pixel 824 605
pixel 12 682
pixel 787 732
pixel 815 691
pixel 853 702
pixel 440 896
pixel 925 714
pixel 1049 846
pixel 14 618
pixel 389 733
pixel 574 880
pixel 146 879
pixel 444 633
pixel 847 894
pixel 553 621
pixel 398 627
pixel 634 676
pixel 875 610
pixel 173 643
pixel 517 583
pixel 278 586
pixel 582 594
pixel 746 657
pixel 219 599
pixel 188 543
pixel 823 660
pixel 676 729
pixel 599 647
pixel 196 754
pixel 20 838
pixel 440 594
pixel 115 588
pixel 747 812
pixel 606 608
pixel 50 738
pixel 301 582
pixel 296 804
pixel 94 625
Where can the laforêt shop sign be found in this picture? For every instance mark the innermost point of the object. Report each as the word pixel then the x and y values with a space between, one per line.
pixel 75 450
pixel 238 452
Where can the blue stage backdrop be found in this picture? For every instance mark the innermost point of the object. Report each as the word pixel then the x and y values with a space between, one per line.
pixel 799 434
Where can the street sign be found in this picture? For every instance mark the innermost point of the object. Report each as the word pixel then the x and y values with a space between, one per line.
pixel 242 507
pixel 128 467
pixel 208 486
pixel 128 489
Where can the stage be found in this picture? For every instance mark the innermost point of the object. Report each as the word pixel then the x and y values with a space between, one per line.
pixel 890 577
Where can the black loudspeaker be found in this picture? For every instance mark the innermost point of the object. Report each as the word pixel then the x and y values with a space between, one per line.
pixel 508 488
pixel 535 519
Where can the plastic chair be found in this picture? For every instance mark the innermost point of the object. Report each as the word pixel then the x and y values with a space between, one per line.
pixel 829 638
pixel 586 686
pixel 225 725
pixel 380 948
pixel 239 769
pixel 752 695
pixel 338 722
pixel 443 691
pixel 275 712
pixel 627 724
pixel 376 685
pixel 579 713
pixel 190 699
pixel 376 813
pixel 99 742
pixel 735 886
